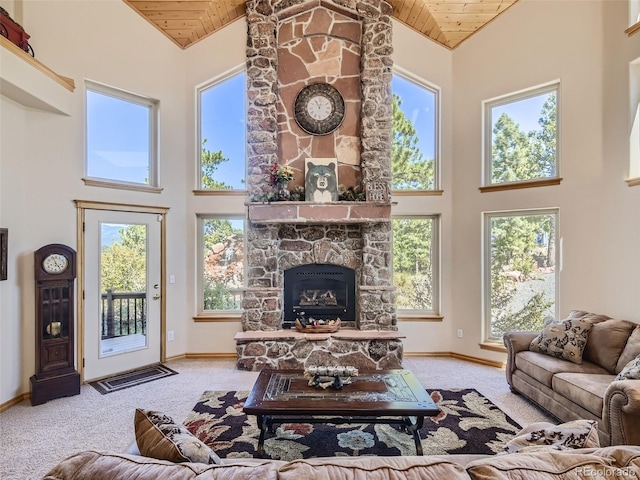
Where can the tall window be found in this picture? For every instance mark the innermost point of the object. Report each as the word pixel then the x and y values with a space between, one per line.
pixel 634 135
pixel 520 261
pixel 222 144
pixel 415 264
pixel 121 136
pixel 222 247
pixel 415 136
pixel 521 135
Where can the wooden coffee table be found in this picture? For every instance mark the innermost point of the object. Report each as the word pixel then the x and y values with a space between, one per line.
pixel 381 396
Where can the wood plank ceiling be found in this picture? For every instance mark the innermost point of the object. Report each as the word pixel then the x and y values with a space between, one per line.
pixel 447 22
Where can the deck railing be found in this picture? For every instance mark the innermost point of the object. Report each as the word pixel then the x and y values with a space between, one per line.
pixel 123 313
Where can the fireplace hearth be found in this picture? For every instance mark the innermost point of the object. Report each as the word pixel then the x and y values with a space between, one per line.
pixel 320 291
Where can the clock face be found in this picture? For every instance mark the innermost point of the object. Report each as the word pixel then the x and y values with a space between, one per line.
pixel 55 263
pixel 319 108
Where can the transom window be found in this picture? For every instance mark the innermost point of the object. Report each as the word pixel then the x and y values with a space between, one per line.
pixel 221 244
pixel 521 136
pixel 414 151
pixel 221 140
pixel 520 258
pixel 121 136
pixel 415 264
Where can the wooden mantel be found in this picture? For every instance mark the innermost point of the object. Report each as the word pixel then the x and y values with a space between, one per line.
pixel 319 213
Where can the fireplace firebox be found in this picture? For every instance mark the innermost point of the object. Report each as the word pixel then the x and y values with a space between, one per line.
pixel 321 291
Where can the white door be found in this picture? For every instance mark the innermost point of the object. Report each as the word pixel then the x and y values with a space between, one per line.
pixel 122 308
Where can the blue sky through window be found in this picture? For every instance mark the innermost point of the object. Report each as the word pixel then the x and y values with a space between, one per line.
pixel 118 139
pixel 222 124
pixel 419 106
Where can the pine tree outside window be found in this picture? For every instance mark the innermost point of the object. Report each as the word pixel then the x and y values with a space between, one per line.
pixel 414 149
pixel 520 271
pixel 521 136
pixel 415 264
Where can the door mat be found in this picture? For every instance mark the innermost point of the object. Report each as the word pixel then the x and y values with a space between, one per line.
pixel 133 378
pixel 467 423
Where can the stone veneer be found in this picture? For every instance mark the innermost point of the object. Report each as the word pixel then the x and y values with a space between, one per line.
pixel 290 44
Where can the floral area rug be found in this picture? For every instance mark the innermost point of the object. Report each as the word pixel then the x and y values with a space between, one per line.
pixel 467 423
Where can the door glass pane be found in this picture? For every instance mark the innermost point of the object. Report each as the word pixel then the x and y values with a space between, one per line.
pixel 123 288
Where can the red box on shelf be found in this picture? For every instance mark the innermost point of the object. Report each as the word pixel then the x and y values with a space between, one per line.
pixel 14 32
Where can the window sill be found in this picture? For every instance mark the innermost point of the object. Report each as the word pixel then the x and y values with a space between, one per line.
pixel 213 193
pixel 545 182
pixel 417 193
pixel 635 28
pixel 633 182
pixel 418 317
pixel 218 317
pixel 494 347
pixel 94 182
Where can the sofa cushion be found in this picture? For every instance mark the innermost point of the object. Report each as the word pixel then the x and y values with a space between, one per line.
pixel 96 465
pixel 585 390
pixel 606 341
pixel 588 316
pixel 556 465
pixel 543 367
pixel 575 434
pixel 373 468
pixel 159 436
pixel 631 371
pixel 631 350
pixel 565 339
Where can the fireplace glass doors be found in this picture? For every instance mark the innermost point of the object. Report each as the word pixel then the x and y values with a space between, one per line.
pixel 321 291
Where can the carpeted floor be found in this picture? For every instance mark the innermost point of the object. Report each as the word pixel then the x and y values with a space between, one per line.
pixel 33 439
pixel 468 423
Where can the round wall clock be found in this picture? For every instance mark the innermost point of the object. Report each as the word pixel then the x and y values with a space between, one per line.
pixel 319 108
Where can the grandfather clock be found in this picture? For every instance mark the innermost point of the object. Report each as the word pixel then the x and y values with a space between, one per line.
pixel 55 273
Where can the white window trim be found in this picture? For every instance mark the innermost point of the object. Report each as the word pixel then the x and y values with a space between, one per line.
pixel 411 77
pixel 154 126
pixel 487 127
pixel 435 266
pixel 486 259
pixel 198 133
pixel 201 312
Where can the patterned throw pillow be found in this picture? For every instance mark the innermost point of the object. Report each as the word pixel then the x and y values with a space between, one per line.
pixel 574 434
pixel 158 436
pixel 565 339
pixel 631 371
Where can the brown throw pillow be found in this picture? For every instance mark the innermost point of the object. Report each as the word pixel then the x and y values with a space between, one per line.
pixel 565 339
pixel 574 434
pixel 606 341
pixel 158 436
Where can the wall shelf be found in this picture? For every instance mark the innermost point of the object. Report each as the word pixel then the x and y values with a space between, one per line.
pixel 31 83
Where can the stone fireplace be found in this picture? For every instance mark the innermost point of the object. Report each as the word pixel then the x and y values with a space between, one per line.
pixel 318 245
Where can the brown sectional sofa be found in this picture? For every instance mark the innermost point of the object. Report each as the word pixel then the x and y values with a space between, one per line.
pixel 571 391
pixel 610 462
